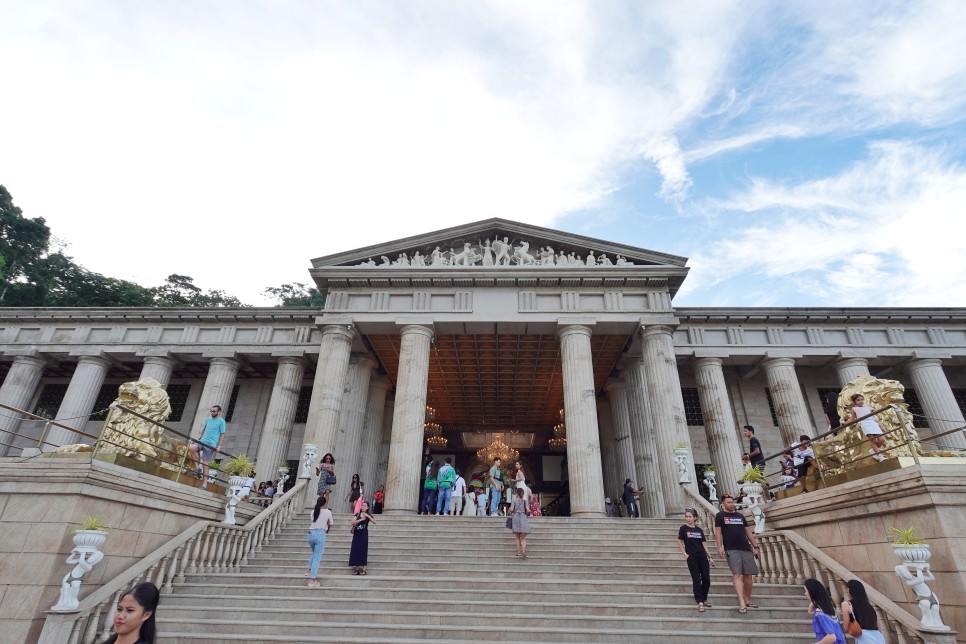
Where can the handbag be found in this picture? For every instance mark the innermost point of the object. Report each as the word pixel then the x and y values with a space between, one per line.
pixel 509 523
pixel 330 479
pixel 855 630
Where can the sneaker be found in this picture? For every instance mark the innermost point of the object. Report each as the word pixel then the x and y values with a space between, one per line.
pixel 879 457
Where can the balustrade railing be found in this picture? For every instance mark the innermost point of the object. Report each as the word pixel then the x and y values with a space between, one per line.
pixel 205 547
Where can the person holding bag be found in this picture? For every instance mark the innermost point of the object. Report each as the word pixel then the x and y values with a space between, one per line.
pixel 359 551
pixel 325 470
pixel 858 617
pixel 519 523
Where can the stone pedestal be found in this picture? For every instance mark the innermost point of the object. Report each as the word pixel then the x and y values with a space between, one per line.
pixel 277 430
pixel 786 394
pixel 848 369
pixel 667 411
pixel 328 391
pixel 409 413
pixel 645 445
pixel 78 402
pixel 580 413
pixel 158 367
pixel 938 403
pixel 18 390
pixel 719 424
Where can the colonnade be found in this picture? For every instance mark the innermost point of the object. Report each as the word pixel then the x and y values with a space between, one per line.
pixel 632 433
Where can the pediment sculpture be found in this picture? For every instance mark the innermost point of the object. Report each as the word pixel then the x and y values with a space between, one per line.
pixel 498 252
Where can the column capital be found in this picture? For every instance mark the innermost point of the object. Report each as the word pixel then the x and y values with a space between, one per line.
pixel 100 361
pixel 345 331
pixel 233 363
pixel 294 361
pixel 651 330
pixel 380 382
pixel 361 359
pixel 615 385
pixel 564 330
pixel 703 363
pixel 847 362
pixel 169 362
pixel 774 363
pixel 418 329
pixel 923 363
pixel 33 361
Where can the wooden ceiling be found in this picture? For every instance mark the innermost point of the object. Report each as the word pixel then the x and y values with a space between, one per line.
pixel 498 382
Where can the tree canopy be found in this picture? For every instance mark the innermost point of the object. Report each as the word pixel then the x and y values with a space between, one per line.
pixel 33 273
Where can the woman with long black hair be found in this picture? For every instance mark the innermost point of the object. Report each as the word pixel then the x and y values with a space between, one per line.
pixel 860 610
pixel 134 618
pixel 827 629
pixel 694 547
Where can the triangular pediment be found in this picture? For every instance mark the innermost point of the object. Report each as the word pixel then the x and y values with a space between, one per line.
pixel 497 242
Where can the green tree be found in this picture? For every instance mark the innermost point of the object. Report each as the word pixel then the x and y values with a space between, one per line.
pixel 23 244
pixel 296 294
pixel 181 291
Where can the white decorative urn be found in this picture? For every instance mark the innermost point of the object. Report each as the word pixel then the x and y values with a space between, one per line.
pixel 89 540
pixel 912 553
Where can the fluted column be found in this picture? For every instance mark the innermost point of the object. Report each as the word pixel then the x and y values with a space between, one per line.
pixel 623 441
pixel 580 414
pixel 938 403
pixel 217 391
pixel 667 412
pixel 349 439
pixel 78 402
pixel 277 430
pixel 372 433
pixel 786 394
pixel 848 369
pixel 18 390
pixel 328 389
pixel 158 367
pixel 382 470
pixel 409 413
pixel 607 449
pixel 719 423
pixel 645 444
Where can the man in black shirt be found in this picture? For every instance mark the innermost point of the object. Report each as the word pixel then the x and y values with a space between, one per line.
pixel 754 449
pixel 736 543
pixel 630 499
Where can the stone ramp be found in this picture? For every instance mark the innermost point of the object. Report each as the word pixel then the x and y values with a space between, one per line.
pixel 457 579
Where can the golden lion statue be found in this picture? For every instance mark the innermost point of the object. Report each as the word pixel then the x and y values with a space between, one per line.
pixel 134 437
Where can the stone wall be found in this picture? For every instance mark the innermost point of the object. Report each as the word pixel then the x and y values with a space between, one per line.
pixel 42 500
pixel 850 523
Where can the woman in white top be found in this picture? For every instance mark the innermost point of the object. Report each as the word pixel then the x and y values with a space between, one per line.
pixel 870 426
pixel 321 522
pixel 520 482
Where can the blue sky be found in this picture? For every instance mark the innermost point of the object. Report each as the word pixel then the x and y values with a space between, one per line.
pixel 799 155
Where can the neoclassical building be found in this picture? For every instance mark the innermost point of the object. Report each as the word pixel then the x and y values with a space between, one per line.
pixel 504 330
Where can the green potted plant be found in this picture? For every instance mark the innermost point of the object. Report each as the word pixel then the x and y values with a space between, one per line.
pixel 283 467
pixel 753 481
pixel 237 468
pixel 908 547
pixel 91 533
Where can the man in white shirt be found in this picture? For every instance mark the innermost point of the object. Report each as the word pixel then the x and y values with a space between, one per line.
pixel 803 457
pixel 459 491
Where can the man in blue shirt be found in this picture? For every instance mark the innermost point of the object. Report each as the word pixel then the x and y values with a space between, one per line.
pixel 754 448
pixel 446 478
pixel 212 436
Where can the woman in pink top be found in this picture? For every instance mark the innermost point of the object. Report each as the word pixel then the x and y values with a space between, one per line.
pixel 321 522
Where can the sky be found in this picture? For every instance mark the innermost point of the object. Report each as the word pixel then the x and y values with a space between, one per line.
pixel 799 154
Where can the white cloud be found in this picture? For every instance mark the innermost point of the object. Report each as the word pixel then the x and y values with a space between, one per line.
pixel 883 232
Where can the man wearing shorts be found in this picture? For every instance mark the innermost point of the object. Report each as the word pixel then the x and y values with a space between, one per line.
pixel 736 543
pixel 212 436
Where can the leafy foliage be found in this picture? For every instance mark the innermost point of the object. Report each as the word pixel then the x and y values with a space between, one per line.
pixel 296 294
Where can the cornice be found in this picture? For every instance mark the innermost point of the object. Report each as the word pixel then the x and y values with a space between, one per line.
pixel 160 315
pixel 801 315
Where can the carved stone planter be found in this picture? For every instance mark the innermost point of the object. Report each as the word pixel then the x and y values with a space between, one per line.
pixel 912 553
pixel 89 540
pixel 681 459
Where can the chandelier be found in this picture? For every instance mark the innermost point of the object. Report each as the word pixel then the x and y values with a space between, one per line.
pixel 497 449
pixel 559 440
pixel 432 429
pixel 430 413
pixel 437 442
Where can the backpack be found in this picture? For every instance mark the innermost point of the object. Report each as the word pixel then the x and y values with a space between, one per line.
pixel 448 478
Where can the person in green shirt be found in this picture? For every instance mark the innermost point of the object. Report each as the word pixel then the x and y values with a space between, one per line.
pixel 496 486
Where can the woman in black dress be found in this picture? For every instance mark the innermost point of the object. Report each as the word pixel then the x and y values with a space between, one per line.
pixel 359 552
pixel 356 489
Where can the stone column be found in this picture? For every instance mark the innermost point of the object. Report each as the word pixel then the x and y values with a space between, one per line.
pixel 78 402
pixel 938 403
pixel 372 433
pixel 667 412
pixel 158 367
pixel 719 423
pixel 349 439
pixel 18 390
pixel 580 414
pixel 277 430
pixel 623 441
pixel 607 449
pixel 383 468
pixel 848 369
pixel 325 406
pixel 786 394
pixel 217 391
pixel 646 467
pixel 409 413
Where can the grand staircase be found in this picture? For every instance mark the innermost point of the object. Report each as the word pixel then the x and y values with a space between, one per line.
pixel 457 579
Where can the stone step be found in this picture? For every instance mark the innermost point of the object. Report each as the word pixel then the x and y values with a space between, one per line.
pixel 491 629
pixel 415 601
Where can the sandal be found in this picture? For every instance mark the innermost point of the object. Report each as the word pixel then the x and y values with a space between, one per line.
pixel 700 608
pixel 751 604
pixel 707 604
pixel 742 610
pixel 313 584
pixel 362 572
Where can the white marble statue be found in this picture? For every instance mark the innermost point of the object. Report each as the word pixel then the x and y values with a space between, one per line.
pixel 502 250
pixel 604 260
pixel 522 254
pixel 928 602
pixel 309 453
pixel 711 481
pixel 402 260
pixel 591 260
pixel 234 494
pixel 466 257
pixel 487 253
pixel 418 260
pixel 385 261
pixel 681 460
pixel 84 559
pixel 759 516
pixel 547 256
pixel 368 262
pixel 437 258
pixel 621 261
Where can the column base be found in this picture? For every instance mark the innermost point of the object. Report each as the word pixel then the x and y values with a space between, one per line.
pixel 589 515
pixel 400 512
